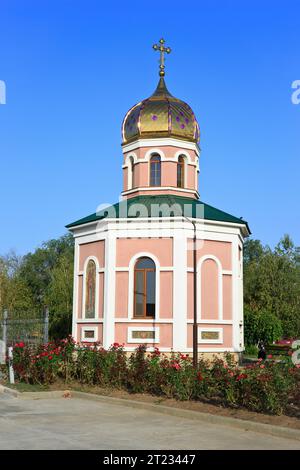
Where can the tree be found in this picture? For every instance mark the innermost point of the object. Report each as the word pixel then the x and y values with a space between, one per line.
pixel 37 267
pixel 261 325
pixel 39 279
pixel 59 295
pixel 272 282
pixel 15 295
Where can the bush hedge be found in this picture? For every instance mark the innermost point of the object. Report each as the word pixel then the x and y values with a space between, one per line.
pixel 261 325
pixel 263 386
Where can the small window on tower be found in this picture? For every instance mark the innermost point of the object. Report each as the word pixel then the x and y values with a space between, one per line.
pixel 180 172
pixel 155 170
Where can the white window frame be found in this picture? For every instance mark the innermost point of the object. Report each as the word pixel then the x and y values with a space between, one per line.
pixel 88 340
pixel 210 330
pixel 154 340
pixel 131 285
pixel 93 258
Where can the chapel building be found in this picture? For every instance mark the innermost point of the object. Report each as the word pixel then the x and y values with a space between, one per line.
pixel 136 279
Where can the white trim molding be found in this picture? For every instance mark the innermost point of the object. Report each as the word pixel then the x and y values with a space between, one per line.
pixel 160 188
pixel 85 339
pixel 131 283
pixel 152 152
pixel 75 289
pixel 129 156
pixel 154 329
pixel 187 156
pixel 109 290
pixel 161 142
pixel 180 291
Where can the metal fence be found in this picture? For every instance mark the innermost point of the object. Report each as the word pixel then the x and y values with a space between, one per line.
pixel 17 327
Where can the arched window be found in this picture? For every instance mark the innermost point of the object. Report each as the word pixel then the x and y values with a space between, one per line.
pixel 90 289
pixel 155 170
pixel 180 172
pixel 144 288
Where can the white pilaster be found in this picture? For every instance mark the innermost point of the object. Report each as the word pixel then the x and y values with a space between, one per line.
pixel 235 295
pixel 180 291
pixel 75 289
pixel 109 290
pixel 241 296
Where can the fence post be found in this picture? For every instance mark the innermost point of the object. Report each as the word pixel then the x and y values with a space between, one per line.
pixel 11 367
pixel 46 325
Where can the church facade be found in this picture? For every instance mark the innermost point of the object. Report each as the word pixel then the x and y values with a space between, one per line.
pixel 148 265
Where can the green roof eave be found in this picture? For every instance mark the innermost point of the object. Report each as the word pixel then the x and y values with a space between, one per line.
pixel 159 206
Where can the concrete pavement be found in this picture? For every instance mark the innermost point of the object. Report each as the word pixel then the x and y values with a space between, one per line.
pixel 77 423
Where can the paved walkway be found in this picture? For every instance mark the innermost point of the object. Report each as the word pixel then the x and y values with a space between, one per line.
pixel 82 424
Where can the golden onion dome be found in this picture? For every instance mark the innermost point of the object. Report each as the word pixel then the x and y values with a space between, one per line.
pixel 160 115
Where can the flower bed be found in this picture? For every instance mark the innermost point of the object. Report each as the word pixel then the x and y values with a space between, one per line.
pixel 263 386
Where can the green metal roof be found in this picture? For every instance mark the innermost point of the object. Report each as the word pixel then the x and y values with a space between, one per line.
pixel 160 206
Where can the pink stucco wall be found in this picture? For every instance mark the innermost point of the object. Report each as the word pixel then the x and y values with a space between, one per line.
pixel 168 169
pixel 91 249
pixel 222 250
pixel 80 289
pixel 191 177
pixel 190 295
pixel 166 294
pixel 162 248
pixel 101 295
pixel 165 333
pixel 209 280
pixel 125 179
pixel 168 175
pixel 227 297
pixel 209 290
pixel 122 294
pixel 99 331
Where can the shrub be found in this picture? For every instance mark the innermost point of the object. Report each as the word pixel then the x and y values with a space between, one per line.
pixel 261 325
pixel 42 364
pixel 264 386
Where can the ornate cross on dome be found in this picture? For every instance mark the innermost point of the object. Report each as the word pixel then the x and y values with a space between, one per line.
pixel 160 47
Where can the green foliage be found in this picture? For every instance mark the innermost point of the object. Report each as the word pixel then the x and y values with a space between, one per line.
pixel 263 386
pixel 40 279
pixel 272 282
pixel 251 350
pixel 261 325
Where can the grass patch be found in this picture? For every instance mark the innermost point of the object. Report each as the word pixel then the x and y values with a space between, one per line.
pixel 23 387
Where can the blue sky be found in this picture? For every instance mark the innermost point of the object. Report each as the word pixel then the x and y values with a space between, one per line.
pixel 72 70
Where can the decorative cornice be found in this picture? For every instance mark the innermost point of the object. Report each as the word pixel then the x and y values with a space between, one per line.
pixel 161 142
